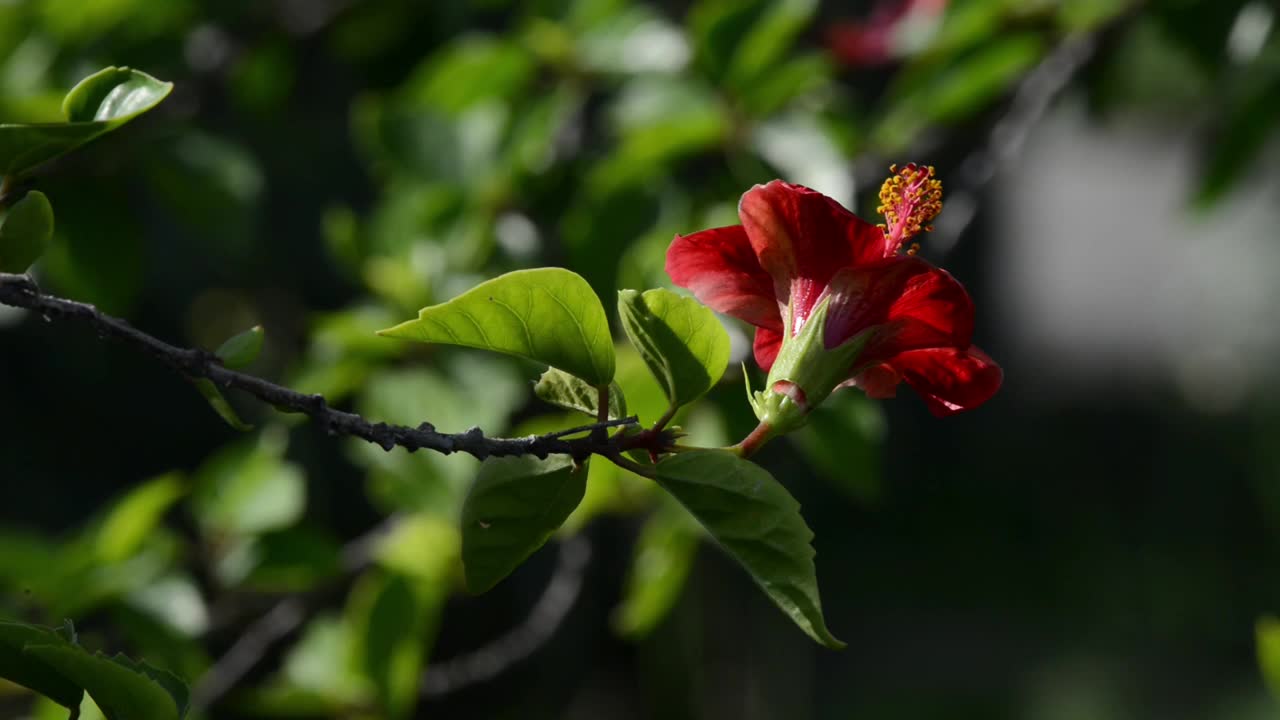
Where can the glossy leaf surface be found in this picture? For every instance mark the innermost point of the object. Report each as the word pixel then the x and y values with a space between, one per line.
pixel 99 104
pixel 758 523
pixel 572 393
pixel 514 507
pixel 548 315
pixel 681 341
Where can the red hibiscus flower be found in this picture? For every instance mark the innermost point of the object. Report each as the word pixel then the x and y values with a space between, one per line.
pixel 835 303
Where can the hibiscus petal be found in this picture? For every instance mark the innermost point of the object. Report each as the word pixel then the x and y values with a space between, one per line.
pixel 766 347
pixel 721 270
pixel 949 380
pixel 878 381
pixel 910 303
pixel 802 237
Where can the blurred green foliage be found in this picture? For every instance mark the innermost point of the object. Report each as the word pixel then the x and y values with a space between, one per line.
pixel 328 168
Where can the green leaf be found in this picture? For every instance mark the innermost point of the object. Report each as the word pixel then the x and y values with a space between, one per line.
pixel 757 522
pixel 241 349
pixel 122 688
pixel 763 47
pixel 294 559
pixel 394 618
pixel 219 403
pixel 31 672
pixel 957 89
pixel 681 341
pixel 548 315
pixel 113 95
pixel 402 550
pixel 249 489
pixel 660 565
pixel 572 393
pixel 1268 639
pixel 135 517
pixel 513 508
pixel 99 104
pixel 25 232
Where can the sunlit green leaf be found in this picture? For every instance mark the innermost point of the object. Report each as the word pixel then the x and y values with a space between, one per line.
pixel 25 231
pixel 249 488
pixel 514 507
pixel 113 95
pixel 573 393
pixel 681 341
pixel 422 546
pixel 323 662
pixel 135 516
pixel 548 315
pixel 757 522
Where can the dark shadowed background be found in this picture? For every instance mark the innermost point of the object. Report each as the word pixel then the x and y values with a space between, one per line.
pixel 1099 542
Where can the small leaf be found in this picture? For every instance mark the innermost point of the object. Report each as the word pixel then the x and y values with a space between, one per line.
pixel 99 104
pixel 119 686
pixel 241 349
pixel 393 620
pixel 572 393
pixel 757 522
pixel 25 232
pixel 218 402
pixel 136 516
pixel 248 489
pixel 30 671
pixel 548 315
pixel 513 508
pixel 113 95
pixel 663 556
pixel 681 341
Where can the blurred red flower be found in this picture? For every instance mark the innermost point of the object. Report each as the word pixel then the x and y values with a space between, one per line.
pixel 877 40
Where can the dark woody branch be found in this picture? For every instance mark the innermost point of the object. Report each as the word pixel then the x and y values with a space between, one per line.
pixel 21 292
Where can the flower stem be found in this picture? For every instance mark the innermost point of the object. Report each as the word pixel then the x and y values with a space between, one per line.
pixel 753 441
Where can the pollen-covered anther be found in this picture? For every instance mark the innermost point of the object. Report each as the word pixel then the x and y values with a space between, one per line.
pixel 909 199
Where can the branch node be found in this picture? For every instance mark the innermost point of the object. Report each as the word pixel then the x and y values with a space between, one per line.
pixel 383 437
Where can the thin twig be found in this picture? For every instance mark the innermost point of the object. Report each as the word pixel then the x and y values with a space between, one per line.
pixel 20 291
pixel 283 618
pixel 491 660
pixel 287 615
